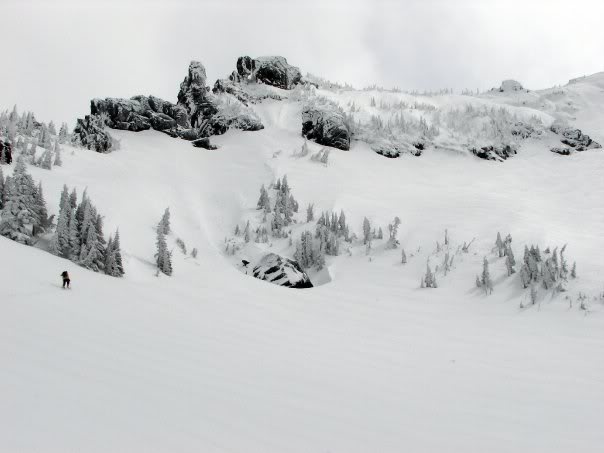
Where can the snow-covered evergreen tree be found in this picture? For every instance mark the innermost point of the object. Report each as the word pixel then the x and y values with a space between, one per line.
pixel 485 279
pixel 163 257
pixel 393 232
pixel 310 212
pixel 63 133
pixel 403 257
pixel 20 210
pixel 264 202
pixel 429 280
pixel 164 223
pixel 367 234
pixel 510 262
pixel 113 257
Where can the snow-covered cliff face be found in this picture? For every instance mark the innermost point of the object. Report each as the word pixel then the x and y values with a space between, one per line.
pixel 492 125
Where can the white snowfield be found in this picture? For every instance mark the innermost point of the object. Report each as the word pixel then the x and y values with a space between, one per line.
pixel 212 360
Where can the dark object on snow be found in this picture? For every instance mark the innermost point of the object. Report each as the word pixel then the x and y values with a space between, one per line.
pixel 562 151
pixel 574 138
pixel 245 263
pixel 275 71
pixel 326 125
pixel 203 143
pixel 498 152
pixel 90 132
pixel 6 152
pixel 281 271
pixel 66 280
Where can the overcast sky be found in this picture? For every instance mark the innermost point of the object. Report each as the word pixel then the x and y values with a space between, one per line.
pixel 57 55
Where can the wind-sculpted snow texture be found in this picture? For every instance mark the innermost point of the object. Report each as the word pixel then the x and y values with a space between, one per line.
pixel 281 271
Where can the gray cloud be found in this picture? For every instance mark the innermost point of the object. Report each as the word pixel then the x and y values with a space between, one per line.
pixel 58 55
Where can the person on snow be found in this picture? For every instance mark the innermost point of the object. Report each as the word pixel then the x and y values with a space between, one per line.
pixel 66 280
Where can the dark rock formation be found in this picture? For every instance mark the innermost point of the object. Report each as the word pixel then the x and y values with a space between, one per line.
pixel 325 124
pixel 562 151
pixel 203 143
pixel 274 71
pixel 392 150
pixel 91 133
pixel 494 152
pixel 281 271
pixel 574 138
pixel 194 95
pixel 6 152
pixel 522 130
pixel 141 113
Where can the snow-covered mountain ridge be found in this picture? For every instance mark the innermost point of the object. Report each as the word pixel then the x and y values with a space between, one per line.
pixel 365 360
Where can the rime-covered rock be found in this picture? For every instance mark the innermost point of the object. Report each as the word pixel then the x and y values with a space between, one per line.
pixel 495 152
pixel 510 85
pixel 90 132
pixel 392 149
pixel 281 271
pixel 574 138
pixel 523 130
pixel 141 113
pixel 274 71
pixel 230 114
pixel 324 123
pixel 194 95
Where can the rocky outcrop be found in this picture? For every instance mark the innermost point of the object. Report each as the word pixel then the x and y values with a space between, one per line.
pixel 274 71
pixel 281 271
pixel 562 151
pixel 392 150
pixel 574 138
pixel 91 133
pixel 203 143
pixel 511 86
pixel 325 123
pixel 214 114
pixel 495 152
pixel 194 95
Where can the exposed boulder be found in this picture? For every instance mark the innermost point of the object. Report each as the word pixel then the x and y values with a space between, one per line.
pixel 91 133
pixel 392 149
pixel 495 152
pixel 274 71
pixel 562 151
pixel 325 123
pixel 281 271
pixel 574 138
pixel 203 143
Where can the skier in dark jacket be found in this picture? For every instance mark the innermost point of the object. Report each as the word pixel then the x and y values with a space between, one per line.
pixel 66 279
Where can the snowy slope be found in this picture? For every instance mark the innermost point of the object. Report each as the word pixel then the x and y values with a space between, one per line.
pixel 213 360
